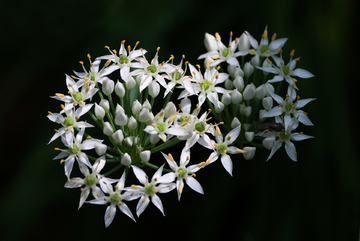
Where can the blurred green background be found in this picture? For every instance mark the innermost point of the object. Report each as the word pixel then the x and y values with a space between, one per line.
pixel 316 198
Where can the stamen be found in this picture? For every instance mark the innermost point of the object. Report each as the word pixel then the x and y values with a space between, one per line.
pixel 229 137
pixel 207 63
pixel 198 66
pixel 50 112
pixel 269 61
pixel 88 55
pixel 217 35
pixel 172 118
pixel 194 175
pixel 201 164
pixel 133 186
pixel 252 51
pixel 143 200
pixel 273 37
pixel 129 48
pixel 157 49
pixel 292 52
pixel 265 34
pixel 62 106
pixel 62 161
pixel 239 151
pixel 208 160
pixel 171 157
pixel 180 189
pixel 81 62
pixel 293 79
pixel 114 51
pixel 180 107
pixel 218 132
pixel 59 95
pixel 107 63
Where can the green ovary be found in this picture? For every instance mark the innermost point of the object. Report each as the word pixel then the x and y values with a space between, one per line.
pixel 90 181
pixel 152 68
pixel 221 148
pixel 115 198
pixel 150 190
pixel 161 126
pixel 182 172
pixel 74 149
pixel 92 76
pixel 263 49
pixel 68 121
pixel 176 75
pixel 123 59
pixel 205 85
pixel 200 126
pixel 285 70
pixel 78 97
pixel 288 106
pixel 225 52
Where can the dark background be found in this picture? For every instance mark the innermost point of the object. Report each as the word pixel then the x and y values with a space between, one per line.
pixel 316 198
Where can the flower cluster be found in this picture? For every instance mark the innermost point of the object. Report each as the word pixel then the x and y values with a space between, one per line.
pixel 238 96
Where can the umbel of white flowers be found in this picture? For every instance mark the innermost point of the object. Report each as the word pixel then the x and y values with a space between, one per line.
pixel 234 114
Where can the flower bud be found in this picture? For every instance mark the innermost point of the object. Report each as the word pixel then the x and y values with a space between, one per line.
pixel 247 111
pixel 219 108
pixel 255 61
pixel 151 119
pixel 146 104
pixel 249 92
pixel 228 84
pixel 266 65
pixel 248 69
pixel 128 141
pixel 100 149
pixel 249 152
pixel 268 142
pixel 145 156
pixel 259 92
pixel 107 86
pixel 118 136
pixel 154 89
pixel 236 96
pixel 169 110
pixel 249 135
pixel 119 108
pixel 132 123
pixel 267 102
pixel 144 115
pixel 130 83
pixel 136 107
pixel 99 112
pixel 154 138
pixel 239 83
pixel 126 159
pixel 235 123
pixel 119 89
pixel 244 43
pixel 261 114
pixel 121 118
pixel 104 103
pixel 226 98
pixel 108 130
pixel 234 71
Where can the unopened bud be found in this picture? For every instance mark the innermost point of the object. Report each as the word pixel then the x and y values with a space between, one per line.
pixel 170 109
pixel 249 92
pixel 268 142
pixel 118 136
pixel 144 115
pixel 136 107
pixel 244 43
pixel 249 135
pixel 104 103
pixel 126 159
pixel 121 118
pixel 267 102
pixel 154 89
pixel 235 123
pixel 249 152
pixel 119 89
pixel 100 149
pixel 132 123
pixel 248 69
pixel 145 156
pixel 108 130
pixel 108 86
pixel 99 112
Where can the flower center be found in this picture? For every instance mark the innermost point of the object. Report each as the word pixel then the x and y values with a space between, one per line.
pixel 78 97
pixel 123 59
pixel 284 135
pixel 225 52
pixel 288 106
pixel 90 181
pixel 92 76
pixel 221 148
pixel 161 126
pixel 150 190
pixel 115 199
pixel 182 172
pixel 152 68
pixel 200 126
pixel 285 70
pixel 68 121
pixel 205 85
pixel 74 149
pixel 176 75
pixel 263 49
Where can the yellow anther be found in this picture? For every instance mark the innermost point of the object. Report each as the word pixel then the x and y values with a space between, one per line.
pixel 252 51
pixel 77 117
pixel 161 113
pixel 305 113
pixel 225 151
pixel 216 144
pixel 62 106
pixel 218 132
pixel 105 198
pixel 217 35
pixel 186 62
pixel 172 118
pixel 292 52
pixel 273 37
pixel 194 73
pixel 171 157
pixel 72 76
pixel 201 164
pixel 295 152
pixel 218 68
pixel 146 176
pixel 114 51
pixel 293 79
pixel 287 95
pixel 282 117
pixel 293 106
pixel 157 49
pixel 265 34
pixel 281 63
pixel 269 61
pixel 133 186
pixel 56 131
pixel 107 63
pixel 50 112
pixel 239 151
pixel 81 62
pixel 281 51
pixel 180 189
pixel 123 42
pixel 88 55
pixel 236 40
pixel 107 47
pixel 211 83
pixel 129 48
pixel 143 200
pixel 214 57
pixel 207 63
pixel 231 33
pixel 268 51
pixel 120 203
pixel 88 137
pixel 180 106
pixel 163 138
pixel 301 132
pixel 61 161
pixel 86 79
pixel 229 137
pixel 198 66
pixel 281 141
pixel 137 43
pixel 86 82
pixel 298 97
pixel 297 59
pixel 56 148
pixel 116 187
pixel 208 160
pixel 292 86
pixel 194 175
pixel 59 95
pixel 180 171
pixel 187 158
pixel 216 76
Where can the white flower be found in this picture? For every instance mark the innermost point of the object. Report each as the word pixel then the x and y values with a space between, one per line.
pixel 286 72
pixel 183 173
pixel 158 184
pixel 90 181
pixel 221 148
pixel 114 198
pixel 264 48
pixel 286 136
pixel 219 52
pixel 124 60
pixel 205 85
pixel 69 123
pixel 74 152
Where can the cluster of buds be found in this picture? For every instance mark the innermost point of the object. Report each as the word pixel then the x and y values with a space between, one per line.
pixel 239 102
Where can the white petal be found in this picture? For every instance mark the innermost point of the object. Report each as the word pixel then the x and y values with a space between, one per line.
pixel 157 202
pixel 194 184
pixel 140 174
pixel 234 133
pixel 140 207
pixel 227 163
pixel 109 215
pixel 290 150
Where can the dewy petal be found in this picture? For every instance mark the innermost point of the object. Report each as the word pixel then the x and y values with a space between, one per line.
pixel 302 73
pixel 227 163
pixel 157 202
pixel 194 184
pixel 109 215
